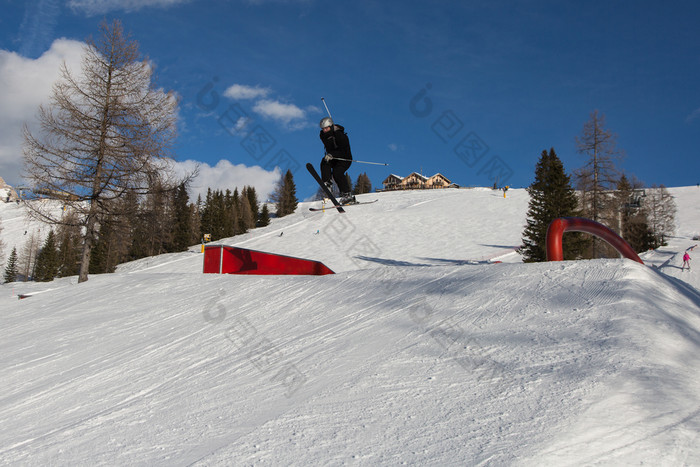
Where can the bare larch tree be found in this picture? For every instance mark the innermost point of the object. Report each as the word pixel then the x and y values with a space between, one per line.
pixel 661 214
pixel 598 177
pixel 599 173
pixel 106 132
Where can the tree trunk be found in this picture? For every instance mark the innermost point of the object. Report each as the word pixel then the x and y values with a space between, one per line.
pixel 88 241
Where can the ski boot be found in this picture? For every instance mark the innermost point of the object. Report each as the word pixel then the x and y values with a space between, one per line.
pixel 347 198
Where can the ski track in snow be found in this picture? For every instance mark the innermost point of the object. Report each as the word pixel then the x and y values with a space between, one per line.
pixel 418 351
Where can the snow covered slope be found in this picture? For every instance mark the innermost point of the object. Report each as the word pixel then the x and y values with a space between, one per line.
pixel 411 228
pixel 418 351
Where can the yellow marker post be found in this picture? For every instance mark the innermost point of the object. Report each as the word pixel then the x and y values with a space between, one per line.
pixel 205 239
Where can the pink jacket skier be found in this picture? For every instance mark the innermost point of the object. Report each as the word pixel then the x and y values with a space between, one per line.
pixel 686 261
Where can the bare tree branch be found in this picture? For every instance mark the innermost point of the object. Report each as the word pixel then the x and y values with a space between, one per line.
pixel 106 133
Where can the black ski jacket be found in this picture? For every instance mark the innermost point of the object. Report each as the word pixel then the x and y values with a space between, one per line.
pixel 336 142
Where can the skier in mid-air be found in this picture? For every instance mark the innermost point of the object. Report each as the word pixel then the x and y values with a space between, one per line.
pixel 337 159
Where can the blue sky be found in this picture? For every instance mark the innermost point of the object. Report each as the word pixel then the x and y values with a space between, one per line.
pixel 473 90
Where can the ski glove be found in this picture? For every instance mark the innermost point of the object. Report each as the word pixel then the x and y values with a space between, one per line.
pixel 328 158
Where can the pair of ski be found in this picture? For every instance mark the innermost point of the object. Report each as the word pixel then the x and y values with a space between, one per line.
pixel 329 195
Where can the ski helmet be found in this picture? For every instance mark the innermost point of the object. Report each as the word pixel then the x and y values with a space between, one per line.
pixel 326 122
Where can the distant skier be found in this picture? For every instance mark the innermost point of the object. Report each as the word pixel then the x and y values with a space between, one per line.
pixel 337 160
pixel 686 261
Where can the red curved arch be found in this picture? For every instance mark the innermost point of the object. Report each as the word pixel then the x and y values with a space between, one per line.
pixel 556 229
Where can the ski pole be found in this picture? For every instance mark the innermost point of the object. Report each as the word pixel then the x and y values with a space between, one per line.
pixel 359 162
pixel 350 160
pixel 324 104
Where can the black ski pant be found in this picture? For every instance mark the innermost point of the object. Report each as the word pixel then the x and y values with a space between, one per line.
pixel 336 169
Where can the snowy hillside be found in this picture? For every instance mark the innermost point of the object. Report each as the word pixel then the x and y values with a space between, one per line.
pixel 422 349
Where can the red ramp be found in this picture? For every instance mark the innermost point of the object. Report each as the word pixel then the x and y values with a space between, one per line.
pixel 223 259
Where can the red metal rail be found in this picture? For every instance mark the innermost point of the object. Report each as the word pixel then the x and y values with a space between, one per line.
pixel 556 230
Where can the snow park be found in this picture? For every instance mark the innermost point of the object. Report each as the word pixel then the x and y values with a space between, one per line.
pixel 431 344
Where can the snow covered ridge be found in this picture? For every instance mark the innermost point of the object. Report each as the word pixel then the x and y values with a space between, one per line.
pixel 7 193
pixel 420 350
pixel 18 229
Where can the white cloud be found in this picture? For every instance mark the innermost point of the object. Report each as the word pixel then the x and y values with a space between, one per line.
pixel 225 175
pixel 288 115
pixel 24 85
pixel 276 110
pixel 100 7
pixel 241 91
pixel 241 125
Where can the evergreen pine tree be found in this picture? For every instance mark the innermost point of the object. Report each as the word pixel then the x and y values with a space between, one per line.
pixel 141 242
pixel 12 267
pixel 623 196
pixel 195 220
pixel 100 251
pixel 246 220
pixel 634 226
pixel 551 197
pixel 206 215
pixel 223 210
pixel 264 218
pixel 115 244
pixel 217 217
pixel 363 184
pixel 232 214
pixel 69 246
pixel 47 261
pixel 638 234
pixel 152 225
pixel 183 228
pixel 125 232
pixel 249 192
pixel 291 191
pixel 285 195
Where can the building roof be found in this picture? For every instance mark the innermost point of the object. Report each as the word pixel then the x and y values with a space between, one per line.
pixel 416 175
pixel 390 176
